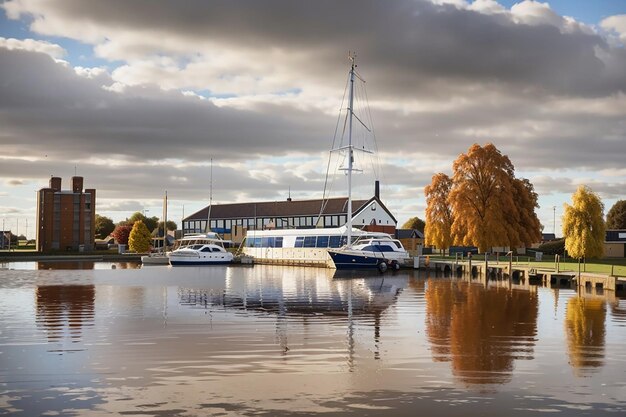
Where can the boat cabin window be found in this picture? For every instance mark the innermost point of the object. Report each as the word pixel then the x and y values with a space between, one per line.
pixel 206 249
pixel 299 242
pixel 309 241
pixel 253 242
pixel 378 248
pixel 322 242
pixel 334 242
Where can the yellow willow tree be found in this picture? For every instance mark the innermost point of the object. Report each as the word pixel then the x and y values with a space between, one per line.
pixel 438 229
pixel 139 238
pixel 583 224
pixel 491 207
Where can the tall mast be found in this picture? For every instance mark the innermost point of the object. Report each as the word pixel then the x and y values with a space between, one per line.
pixel 352 58
pixel 165 221
pixel 208 220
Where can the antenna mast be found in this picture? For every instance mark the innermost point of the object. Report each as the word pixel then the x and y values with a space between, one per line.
pixel 352 57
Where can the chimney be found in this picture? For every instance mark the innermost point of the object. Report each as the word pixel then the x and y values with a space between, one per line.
pixel 77 184
pixel 377 189
pixel 55 183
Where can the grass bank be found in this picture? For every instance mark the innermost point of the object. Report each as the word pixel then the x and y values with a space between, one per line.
pixel 614 266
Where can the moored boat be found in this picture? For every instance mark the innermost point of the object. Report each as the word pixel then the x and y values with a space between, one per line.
pixel 200 249
pixel 370 252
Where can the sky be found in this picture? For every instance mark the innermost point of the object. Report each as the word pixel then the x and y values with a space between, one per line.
pixel 239 100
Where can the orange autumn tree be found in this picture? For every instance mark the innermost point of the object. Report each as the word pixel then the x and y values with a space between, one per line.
pixel 491 206
pixel 438 229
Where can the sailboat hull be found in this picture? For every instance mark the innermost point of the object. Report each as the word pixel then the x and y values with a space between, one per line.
pixel 352 260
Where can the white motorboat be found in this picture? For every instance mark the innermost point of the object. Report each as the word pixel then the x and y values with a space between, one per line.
pixel 200 249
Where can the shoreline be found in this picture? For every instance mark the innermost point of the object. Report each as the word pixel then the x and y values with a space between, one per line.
pixel 39 257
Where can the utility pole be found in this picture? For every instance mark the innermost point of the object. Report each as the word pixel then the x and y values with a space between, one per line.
pixel 554 221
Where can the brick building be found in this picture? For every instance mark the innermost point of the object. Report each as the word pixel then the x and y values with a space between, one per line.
pixel 66 219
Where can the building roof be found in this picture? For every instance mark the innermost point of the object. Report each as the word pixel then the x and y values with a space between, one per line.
pixel 409 234
pixel 279 209
pixel 615 236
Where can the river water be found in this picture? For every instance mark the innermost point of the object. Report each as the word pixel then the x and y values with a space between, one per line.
pixel 89 340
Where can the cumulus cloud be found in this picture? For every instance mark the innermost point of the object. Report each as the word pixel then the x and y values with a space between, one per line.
pixel 616 24
pixel 55 51
pixel 256 87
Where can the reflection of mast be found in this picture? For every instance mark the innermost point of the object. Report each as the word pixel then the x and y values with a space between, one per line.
pixel 350 331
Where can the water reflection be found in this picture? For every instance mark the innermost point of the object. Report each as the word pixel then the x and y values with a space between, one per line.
pixel 70 265
pixel 297 295
pixel 63 311
pixel 480 330
pixel 584 326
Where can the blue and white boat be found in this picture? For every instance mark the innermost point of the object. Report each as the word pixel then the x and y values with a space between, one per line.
pixel 379 252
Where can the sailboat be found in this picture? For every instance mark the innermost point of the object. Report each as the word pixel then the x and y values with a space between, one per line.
pixel 334 247
pixel 159 257
pixel 366 251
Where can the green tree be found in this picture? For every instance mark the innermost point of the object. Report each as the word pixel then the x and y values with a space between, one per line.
pixel 140 238
pixel 616 218
pixel 439 218
pixel 149 222
pixel 104 226
pixel 583 224
pixel 170 226
pixel 414 223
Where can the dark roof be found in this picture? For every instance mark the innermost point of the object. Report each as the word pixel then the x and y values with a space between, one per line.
pixel 278 209
pixel 615 235
pixel 409 234
pixel 548 236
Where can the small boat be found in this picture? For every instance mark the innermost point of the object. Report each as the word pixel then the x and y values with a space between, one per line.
pixel 200 249
pixel 378 252
pixel 156 258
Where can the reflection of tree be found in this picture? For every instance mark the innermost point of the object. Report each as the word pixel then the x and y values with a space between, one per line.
pixel 481 330
pixel 64 309
pixel 440 296
pixel 584 325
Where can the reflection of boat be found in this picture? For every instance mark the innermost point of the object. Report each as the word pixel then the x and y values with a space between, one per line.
pixel 301 292
pixel 200 249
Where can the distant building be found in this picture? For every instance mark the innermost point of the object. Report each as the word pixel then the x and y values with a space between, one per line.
pixel 411 238
pixel 615 244
pixel 234 220
pixel 5 237
pixel 66 220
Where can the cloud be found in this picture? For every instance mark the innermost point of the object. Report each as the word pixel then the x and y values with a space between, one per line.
pixel 55 51
pixel 616 24
pixel 256 86
pixel 15 182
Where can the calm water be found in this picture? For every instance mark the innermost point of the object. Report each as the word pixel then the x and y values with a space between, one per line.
pixel 232 341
